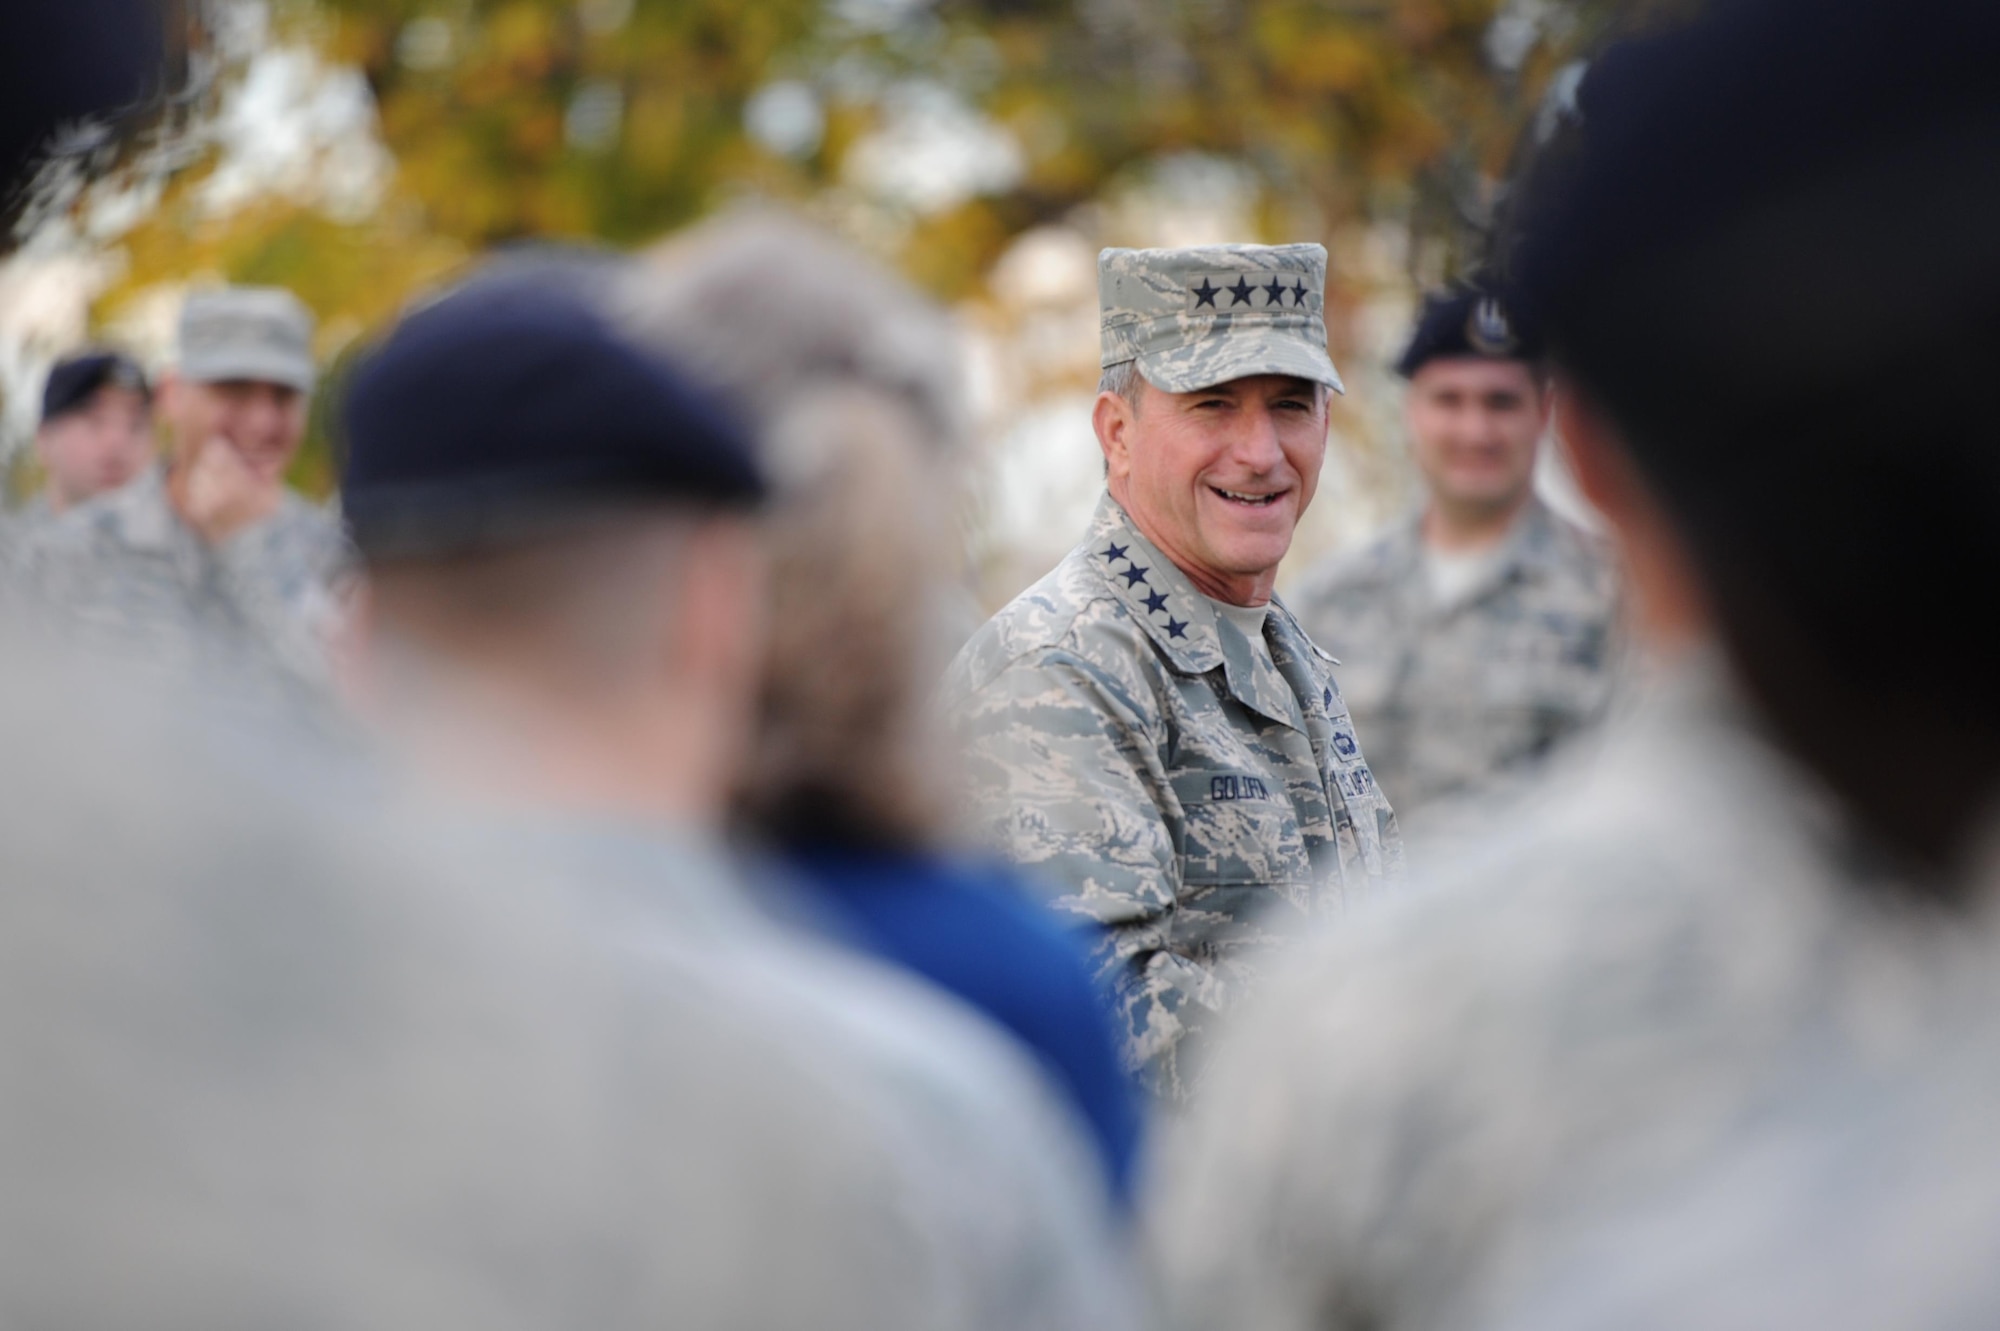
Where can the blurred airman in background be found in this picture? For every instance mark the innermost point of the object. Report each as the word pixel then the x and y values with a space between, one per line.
pixel 96 432
pixel 208 563
pixel 1475 637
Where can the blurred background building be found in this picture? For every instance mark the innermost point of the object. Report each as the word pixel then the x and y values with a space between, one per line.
pixel 355 150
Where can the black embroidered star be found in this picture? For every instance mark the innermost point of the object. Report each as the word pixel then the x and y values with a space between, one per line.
pixel 1206 293
pixel 1241 291
pixel 1116 551
pixel 1156 601
pixel 1299 294
pixel 1176 628
pixel 1133 575
pixel 1275 293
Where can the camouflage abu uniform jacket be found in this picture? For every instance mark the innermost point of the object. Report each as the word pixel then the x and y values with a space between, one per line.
pixel 123 573
pixel 1125 741
pixel 1452 697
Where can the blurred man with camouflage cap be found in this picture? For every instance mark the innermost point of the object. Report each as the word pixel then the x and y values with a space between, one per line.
pixel 210 557
pixel 1147 725
pixel 1475 634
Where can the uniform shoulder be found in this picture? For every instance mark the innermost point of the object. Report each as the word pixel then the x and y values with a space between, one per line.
pixel 1070 613
pixel 1378 560
pixel 1585 554
pixel 1574 536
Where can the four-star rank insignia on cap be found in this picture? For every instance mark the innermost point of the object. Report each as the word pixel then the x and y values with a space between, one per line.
pixel 1487 328
pixel 1249 291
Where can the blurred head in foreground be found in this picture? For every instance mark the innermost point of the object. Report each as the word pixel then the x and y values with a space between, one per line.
pixel 1774 308
pixel 563 590
pixel 66 65
pixel 851 380
pixel 97 428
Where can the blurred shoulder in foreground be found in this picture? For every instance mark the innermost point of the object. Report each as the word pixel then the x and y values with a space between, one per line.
pixel 1771 877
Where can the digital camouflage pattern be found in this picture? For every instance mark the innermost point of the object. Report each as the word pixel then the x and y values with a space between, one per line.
pixel 1194 318
pixel 122 573
pixel 1458 699
pixel 1584 1007
pixel 1124 741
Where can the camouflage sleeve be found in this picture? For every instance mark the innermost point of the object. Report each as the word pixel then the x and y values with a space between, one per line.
pixel 1066 778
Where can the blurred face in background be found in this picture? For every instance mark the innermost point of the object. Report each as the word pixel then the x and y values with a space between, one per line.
pixel 1218 478
pixel 263 421
pixel 1474 426
pixel 97 446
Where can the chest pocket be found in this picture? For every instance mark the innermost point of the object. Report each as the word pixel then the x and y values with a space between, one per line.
pixel 1238 827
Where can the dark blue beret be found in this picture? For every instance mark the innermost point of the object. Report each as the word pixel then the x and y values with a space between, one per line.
pixel 514 400
pixel 1466 320
pixel 74 380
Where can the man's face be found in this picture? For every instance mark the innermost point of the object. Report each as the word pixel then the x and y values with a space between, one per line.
pixel 1474 424
pixel 96 447
pixel 1218 478
pixel 263 421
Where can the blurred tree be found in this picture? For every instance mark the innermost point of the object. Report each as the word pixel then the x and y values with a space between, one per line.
pixel 613 119
pixel 619 119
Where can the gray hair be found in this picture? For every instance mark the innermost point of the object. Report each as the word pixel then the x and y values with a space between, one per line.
pixel 1123 379
pixel 767 309
pixel 851 379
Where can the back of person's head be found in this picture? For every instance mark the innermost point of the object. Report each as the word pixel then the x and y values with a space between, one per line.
pixel 79 75
pixel 521 475
pixel 851 377
pixel 765 307
pixel 1761 248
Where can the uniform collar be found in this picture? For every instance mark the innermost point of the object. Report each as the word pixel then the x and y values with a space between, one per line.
pixel 1182 623
pixel 1527 550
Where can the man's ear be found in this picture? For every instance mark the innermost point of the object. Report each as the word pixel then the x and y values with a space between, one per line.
pixel 719 630
pixel 1112 418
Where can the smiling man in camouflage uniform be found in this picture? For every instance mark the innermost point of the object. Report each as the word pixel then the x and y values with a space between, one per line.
pixel 1146 725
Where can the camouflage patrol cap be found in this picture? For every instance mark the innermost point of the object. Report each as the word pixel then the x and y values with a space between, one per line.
pixel 1194 318
pixel 261 333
